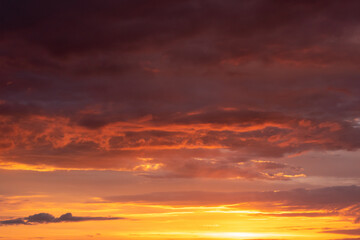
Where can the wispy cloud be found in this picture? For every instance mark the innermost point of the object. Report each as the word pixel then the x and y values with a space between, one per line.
pixel 332 201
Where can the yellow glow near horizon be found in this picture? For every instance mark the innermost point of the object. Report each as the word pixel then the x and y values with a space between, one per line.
pixel 244 235
pixel 215 235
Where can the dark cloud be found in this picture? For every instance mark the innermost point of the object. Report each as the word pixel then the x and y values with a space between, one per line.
pixel 102 84
pixel 68 217
pixel 13 222
pixel 48 218
pixel 61 28
pixel 40 218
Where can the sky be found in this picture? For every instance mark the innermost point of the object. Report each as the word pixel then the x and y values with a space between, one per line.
pixel 179 119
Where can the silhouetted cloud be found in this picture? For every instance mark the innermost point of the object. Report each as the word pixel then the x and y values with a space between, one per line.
pixel 40 218
pixel 13 221
pixel 48 218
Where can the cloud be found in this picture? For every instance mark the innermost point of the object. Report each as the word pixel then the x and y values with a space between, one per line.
pixel 355 231
pixel 40 218
pixel 13 222
pixel 185 81
pixel 330 201
pixel 340 196
pixel 68 217
pixel 303 214
pixel 347 239
pixel 48 218
pixel 119 27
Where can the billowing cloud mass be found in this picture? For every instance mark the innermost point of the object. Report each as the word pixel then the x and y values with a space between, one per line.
pixel 48 218
pixel 177 88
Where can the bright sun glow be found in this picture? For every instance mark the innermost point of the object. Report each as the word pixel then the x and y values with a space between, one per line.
pixel 243 235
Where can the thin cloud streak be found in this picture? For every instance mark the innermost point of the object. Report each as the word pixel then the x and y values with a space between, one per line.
pixel 340 200
pixel 41 218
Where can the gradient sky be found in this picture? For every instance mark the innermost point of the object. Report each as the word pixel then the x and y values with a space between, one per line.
pixel 187 119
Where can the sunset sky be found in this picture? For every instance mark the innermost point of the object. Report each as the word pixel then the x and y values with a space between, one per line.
pixel 179 119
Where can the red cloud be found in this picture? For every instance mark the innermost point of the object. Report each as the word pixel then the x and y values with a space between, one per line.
pixel 203 88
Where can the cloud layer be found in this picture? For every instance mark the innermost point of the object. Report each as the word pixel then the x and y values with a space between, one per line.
pixel 330 201
pixel 196 88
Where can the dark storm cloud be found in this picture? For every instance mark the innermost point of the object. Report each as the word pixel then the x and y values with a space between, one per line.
pixel 73 27
pixel 48 218
pixel 101 84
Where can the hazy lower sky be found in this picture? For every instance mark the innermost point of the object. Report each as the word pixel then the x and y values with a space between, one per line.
pixel 180 119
